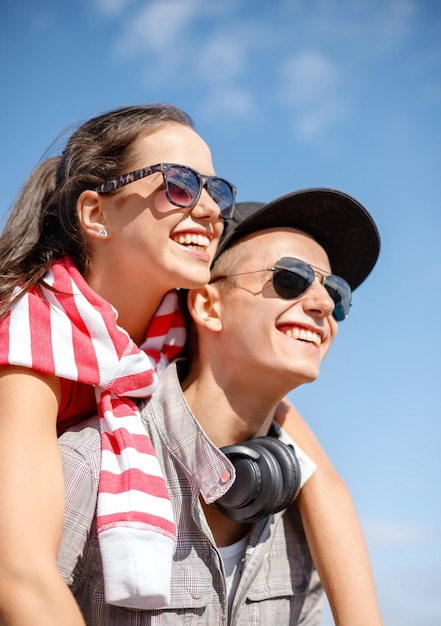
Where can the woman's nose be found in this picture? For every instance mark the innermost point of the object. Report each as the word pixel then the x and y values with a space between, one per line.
pixel 206 207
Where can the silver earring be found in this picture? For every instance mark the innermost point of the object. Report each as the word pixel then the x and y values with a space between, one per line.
pixel 103 233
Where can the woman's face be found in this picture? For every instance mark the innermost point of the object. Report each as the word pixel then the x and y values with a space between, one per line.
pixel 161 243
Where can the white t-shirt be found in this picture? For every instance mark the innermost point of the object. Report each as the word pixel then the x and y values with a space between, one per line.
pixel 232 557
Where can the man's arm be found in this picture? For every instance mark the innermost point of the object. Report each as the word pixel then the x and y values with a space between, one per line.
pixel 333 532
pixel 80 449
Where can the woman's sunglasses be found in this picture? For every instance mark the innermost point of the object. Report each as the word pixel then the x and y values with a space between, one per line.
pixel 292 277
pixel 183 186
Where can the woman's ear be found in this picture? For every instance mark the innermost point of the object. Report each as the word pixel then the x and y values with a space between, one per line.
pixel 91 215
pixel 204 307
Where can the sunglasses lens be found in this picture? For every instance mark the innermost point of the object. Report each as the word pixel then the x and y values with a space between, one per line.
pixel 292 278
pixel 182 186
pixel 340 292
pixel 221 192
pixel 183 189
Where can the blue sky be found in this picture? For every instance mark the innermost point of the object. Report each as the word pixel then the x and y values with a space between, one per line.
pixel 291 94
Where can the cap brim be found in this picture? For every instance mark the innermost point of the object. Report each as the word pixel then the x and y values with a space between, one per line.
pixel 338 222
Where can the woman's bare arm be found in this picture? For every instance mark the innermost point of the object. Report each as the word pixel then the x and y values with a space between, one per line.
pixel 333 532
pixel 32 590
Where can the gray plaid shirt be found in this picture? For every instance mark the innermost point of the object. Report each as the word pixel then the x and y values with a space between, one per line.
pixel 278 585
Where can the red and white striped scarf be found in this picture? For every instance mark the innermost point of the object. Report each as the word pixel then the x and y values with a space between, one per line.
pixel 74 335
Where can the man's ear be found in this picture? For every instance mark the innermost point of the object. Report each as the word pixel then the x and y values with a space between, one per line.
pixel 204 307
pixel 90 214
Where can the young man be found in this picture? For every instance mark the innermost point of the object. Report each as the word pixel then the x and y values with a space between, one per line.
pixel 280 282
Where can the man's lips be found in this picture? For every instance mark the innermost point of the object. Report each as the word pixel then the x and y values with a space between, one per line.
pixel 301 333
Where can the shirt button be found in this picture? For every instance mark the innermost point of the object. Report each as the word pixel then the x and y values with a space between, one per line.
pixel 212 492
pixel 225 477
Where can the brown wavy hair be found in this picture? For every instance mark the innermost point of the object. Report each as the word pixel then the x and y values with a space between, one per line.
pixel 43 225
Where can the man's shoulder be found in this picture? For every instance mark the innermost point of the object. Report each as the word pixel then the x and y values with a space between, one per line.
pixel 80 449
pixel 167 399
pixel 83 441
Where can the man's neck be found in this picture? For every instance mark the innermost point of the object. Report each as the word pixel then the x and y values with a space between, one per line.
pixel 226 419
pixel 228 412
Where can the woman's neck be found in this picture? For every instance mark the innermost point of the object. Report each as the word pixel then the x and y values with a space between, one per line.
pixel 135 303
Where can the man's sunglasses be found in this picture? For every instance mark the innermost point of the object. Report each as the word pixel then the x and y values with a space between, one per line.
pixel 183 186
pixel 292 277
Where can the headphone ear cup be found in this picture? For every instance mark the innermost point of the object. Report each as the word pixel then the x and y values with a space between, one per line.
pixel 267 479
pixel 289 468
pixel 256 488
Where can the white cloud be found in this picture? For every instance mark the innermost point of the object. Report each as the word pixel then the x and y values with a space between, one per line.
pixel 373 26
pixel 220 48
pixel 393 21
pixel 42 23
pixel 318 86
pixel 307 78
pixel 384 533
pixel 221 60
pixel 159 27
pixel 233 101
pixel 113 7
pixel 187 42
pixel 310 124
pixel 309 88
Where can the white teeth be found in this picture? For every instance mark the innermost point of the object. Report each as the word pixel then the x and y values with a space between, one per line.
pixel 304 335
pixel 192 239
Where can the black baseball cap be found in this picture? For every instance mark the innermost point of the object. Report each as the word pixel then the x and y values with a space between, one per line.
pixel 338 222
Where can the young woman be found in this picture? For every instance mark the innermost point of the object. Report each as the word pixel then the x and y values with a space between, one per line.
pixel 97 241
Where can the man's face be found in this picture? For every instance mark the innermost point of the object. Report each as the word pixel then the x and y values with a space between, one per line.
pixel 265 335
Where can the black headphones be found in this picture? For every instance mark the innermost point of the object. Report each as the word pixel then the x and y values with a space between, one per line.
pixel 267 479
